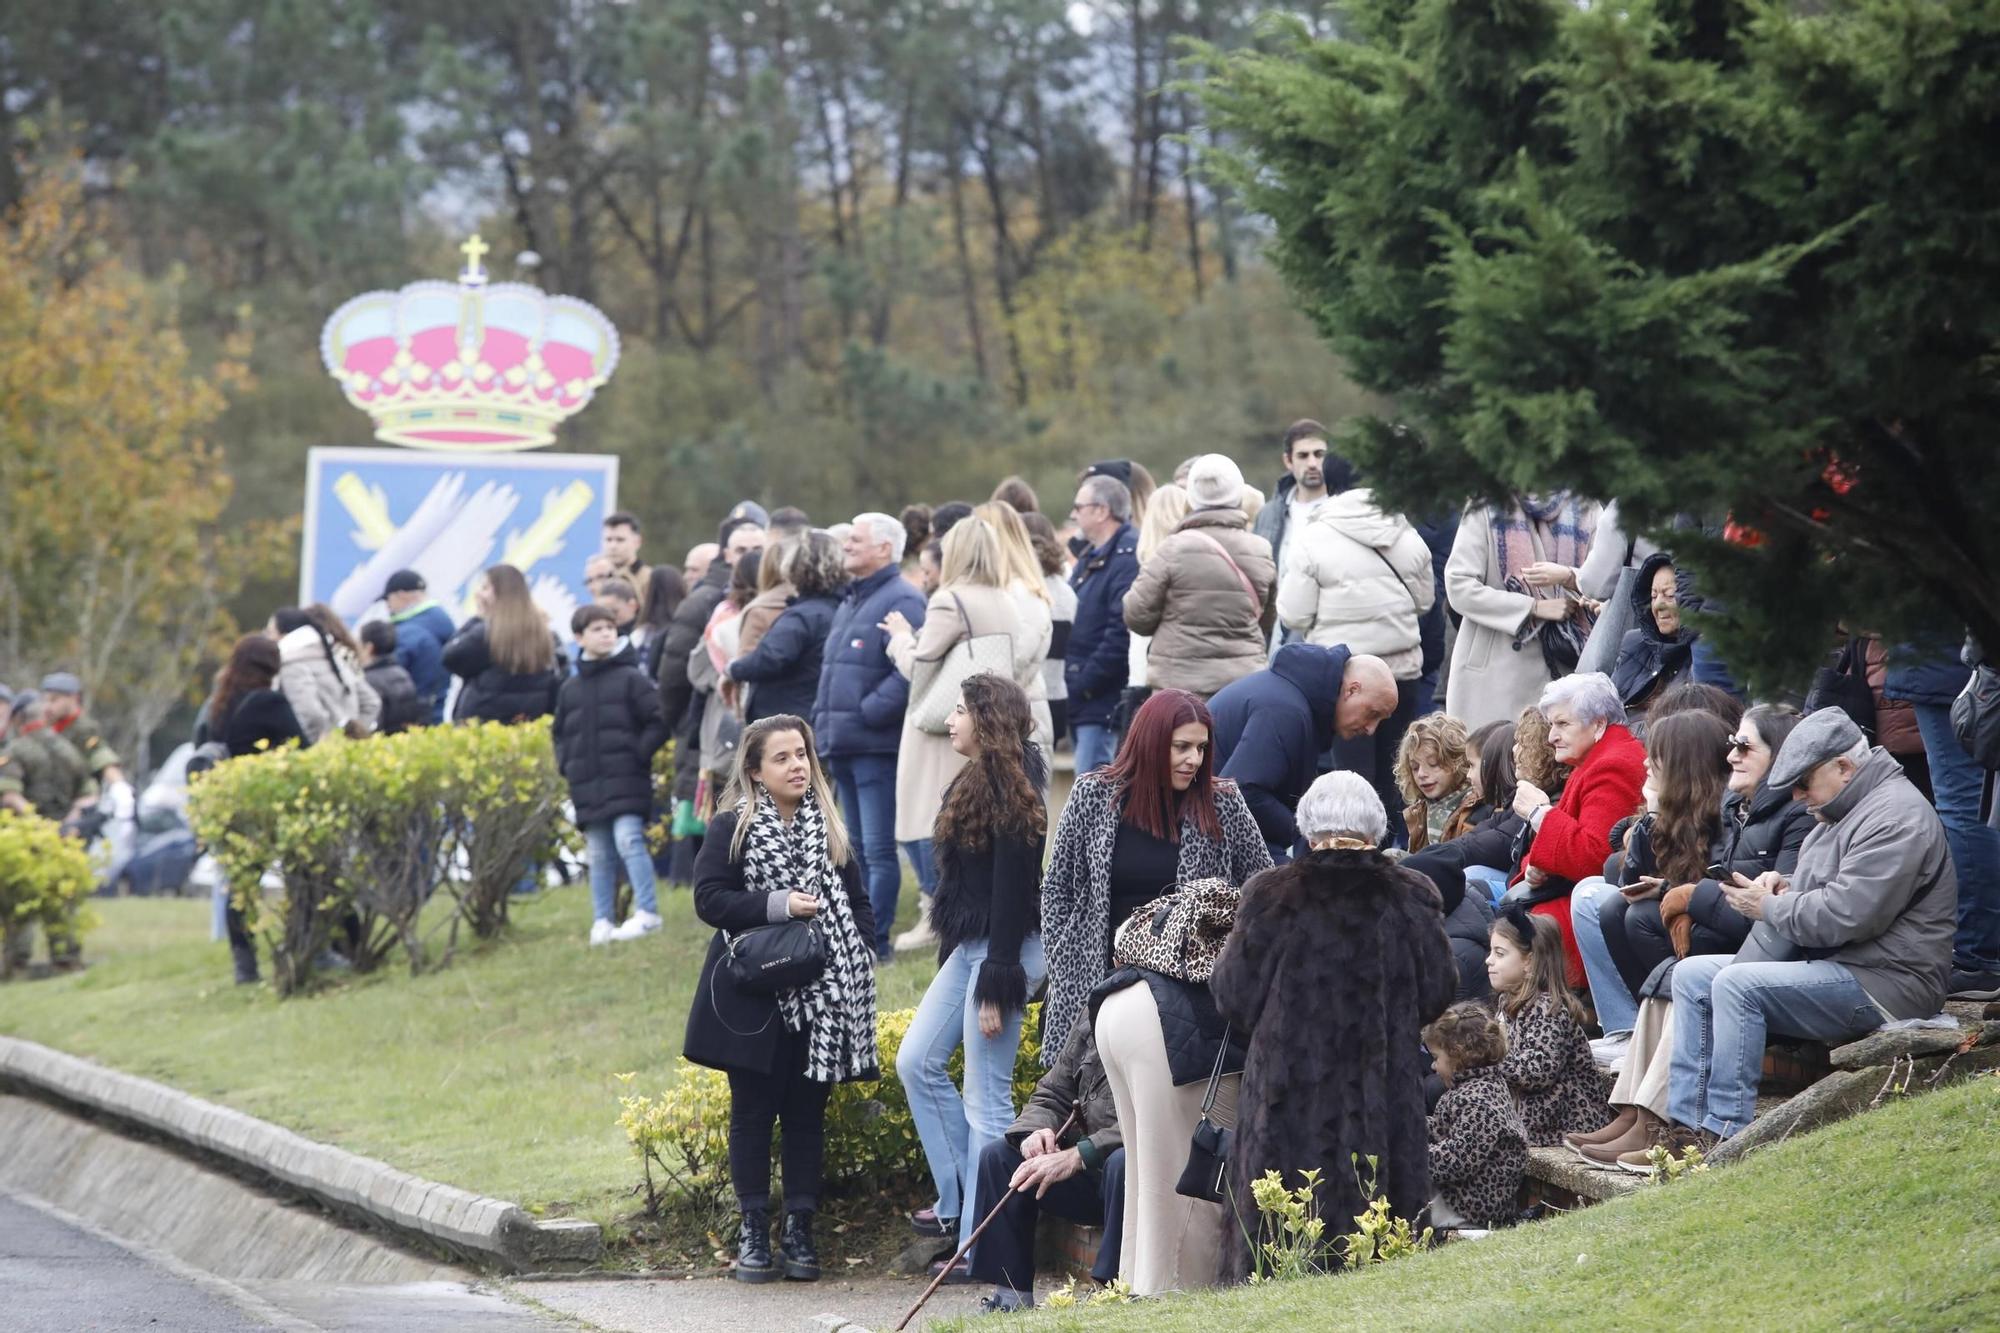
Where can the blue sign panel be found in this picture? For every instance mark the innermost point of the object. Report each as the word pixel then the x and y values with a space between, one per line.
pixel 371 512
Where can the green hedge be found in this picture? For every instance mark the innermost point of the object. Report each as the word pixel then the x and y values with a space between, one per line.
pixel 372 827
pixel 44 878
pixel 681 1136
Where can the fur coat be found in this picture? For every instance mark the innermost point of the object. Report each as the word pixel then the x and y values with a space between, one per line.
pixel 1337 962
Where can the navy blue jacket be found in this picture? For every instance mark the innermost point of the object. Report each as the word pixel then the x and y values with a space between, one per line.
pixel 1270 728
pixel 420 639
pixel 1094 666
pixel 785 667
pixel 858 708
pixel 1934 678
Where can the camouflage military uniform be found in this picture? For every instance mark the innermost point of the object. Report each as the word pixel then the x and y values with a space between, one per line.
pixel 47 770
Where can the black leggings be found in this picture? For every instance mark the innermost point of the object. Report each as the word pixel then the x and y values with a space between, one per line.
pixel 1635 936
pixel 756 1103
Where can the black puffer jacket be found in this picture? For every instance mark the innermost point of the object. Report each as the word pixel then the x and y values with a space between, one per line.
pixel 1762 834
pixel 1647 659
pixel 490 694
pixel 401 708
pixel 607 727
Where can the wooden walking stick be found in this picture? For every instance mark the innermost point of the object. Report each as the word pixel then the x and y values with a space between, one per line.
pixel 1075 1111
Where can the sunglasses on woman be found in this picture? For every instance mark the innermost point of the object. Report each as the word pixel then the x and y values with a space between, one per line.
pixel 1740 744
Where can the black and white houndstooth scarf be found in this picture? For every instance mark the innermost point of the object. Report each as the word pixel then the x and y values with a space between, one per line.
pixel 838 1009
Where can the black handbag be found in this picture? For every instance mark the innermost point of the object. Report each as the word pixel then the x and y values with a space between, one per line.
pixel 1844 685
pixel 1206 1175
pixel 767 959
pixel 1975 717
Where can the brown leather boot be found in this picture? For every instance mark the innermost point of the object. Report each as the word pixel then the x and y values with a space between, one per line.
pixel 1676 1139
pixel 1646 1128
pixel 1621 1124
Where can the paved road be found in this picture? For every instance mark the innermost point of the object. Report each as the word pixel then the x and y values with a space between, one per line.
pixel 55 1275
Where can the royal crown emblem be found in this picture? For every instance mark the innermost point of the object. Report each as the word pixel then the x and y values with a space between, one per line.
pixel 469 366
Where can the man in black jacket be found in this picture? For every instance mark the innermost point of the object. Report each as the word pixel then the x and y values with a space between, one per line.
pixel 1078 1173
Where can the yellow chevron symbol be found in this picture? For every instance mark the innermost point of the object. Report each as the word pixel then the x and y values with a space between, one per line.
pixel 543 538
pixel 368 507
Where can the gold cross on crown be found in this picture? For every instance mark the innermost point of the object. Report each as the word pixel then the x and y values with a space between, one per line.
pixel 474 250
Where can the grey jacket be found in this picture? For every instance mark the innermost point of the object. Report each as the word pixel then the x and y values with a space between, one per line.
pixel 1875 885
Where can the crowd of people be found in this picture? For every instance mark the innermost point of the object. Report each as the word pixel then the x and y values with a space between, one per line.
pixel 1288 892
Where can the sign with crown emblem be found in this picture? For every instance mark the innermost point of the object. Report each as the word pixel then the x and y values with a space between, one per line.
pixel 471 366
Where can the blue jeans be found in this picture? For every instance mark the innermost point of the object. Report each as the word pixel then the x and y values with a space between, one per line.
pixel 866 784
pixel 1617 1010
pixel 1489 879
pixel 923 863
pixel 1722 1011
pixel 623 839
pixel 1957 784
pixel 1095 746
pixel 954 1129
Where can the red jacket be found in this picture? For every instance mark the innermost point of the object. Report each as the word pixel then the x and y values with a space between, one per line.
pixel 1575 837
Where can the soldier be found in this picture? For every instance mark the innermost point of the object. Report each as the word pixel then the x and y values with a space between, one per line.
pixel 62 705
pixel 42 772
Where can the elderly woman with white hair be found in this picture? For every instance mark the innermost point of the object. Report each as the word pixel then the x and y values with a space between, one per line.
pixel 1572 834
pixel 1337 962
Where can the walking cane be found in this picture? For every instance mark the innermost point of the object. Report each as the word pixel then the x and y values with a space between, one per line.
pixel 938 1281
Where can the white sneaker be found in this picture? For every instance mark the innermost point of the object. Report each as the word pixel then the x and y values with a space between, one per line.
pixel 600 931
pixel 1609 1051
pixel 919 936
pixel 637 924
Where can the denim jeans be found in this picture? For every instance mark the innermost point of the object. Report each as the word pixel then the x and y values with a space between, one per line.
pixel 954 1129
pixel 866 784
pixel 1723 1010
pixel 1096 746
pixel 1957 784
pixel 1617 1011
pixel 623 839
pixel 1486 877
pixel 923 863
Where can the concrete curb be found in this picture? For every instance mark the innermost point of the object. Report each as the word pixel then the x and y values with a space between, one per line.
pixel 490 1232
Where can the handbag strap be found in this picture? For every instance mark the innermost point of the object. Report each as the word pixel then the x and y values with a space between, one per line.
pixel 965 616
pixel 1215 1076
pixel 1390 566
pixel 1249 588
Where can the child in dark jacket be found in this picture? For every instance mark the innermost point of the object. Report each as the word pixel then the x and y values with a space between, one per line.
pixel 608 725
pixel 1548 1062
pixel 401 708
pixel 1479 1147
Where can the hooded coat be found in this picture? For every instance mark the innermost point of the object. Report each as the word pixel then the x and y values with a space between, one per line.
pixel 608 726
pixel 1208 628
pixel 1270 728
pixel 1337 962
pixel 324 683
pixel 1357 576
pixel 1648 660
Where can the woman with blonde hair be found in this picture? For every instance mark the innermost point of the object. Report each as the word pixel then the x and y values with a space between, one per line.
pixel 972 601
pixel 1158 520
pixel 778 852
pixel 506 655
pixel 1031 598
pixel 774 590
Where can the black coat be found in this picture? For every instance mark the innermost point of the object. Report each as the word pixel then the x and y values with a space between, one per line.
pixel 1765 836
pixel 491 694
pixel 607 728
pixel 1336 963
pixel 401 708
pixel 1488 843
pixel 783 671
pixel 258 721
pixel 683 632
pixel 727 1029
pixel 1647 659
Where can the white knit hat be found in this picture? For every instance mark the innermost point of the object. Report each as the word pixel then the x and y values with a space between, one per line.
pixel 1215 482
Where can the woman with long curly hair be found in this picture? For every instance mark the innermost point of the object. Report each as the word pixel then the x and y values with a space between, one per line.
pixel 987 915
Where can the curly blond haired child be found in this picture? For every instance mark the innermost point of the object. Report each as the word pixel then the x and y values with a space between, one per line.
pixel 1432 771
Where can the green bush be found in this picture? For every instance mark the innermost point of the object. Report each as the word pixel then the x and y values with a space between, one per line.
pixel 372 828
pixel 681 1137
pixel 44 878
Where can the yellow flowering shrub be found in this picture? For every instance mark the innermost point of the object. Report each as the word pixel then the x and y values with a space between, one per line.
pixel 44 878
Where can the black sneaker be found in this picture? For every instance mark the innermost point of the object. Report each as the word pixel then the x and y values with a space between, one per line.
pixel 753 1248
pixel 997 1304
pixel 796 1246
pixel 1969 985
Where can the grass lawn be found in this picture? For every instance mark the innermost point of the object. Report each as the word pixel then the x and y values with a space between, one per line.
pixel 1883 1221
pixel 494 1074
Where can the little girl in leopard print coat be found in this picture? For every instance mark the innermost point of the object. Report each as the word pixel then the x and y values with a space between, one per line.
pixel 1478 1145
pixel 1548 1064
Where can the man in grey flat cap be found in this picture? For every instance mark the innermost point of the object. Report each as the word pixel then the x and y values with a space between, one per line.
pixel 1859 935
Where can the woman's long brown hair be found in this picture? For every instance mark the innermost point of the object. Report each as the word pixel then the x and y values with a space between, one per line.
pixel 1000 791
pixel 517 633
pixel 1690 758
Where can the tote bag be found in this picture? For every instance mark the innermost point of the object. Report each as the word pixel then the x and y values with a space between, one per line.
pixel 1600 650
pixel 934 685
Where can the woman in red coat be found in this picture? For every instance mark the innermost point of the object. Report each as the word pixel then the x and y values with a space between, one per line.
pixel 1572 835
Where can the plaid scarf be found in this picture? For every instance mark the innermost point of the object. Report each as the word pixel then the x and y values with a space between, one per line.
pixel 1566 533
pixel 838 1010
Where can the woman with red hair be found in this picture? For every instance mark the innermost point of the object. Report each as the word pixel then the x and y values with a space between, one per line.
pixel 1155 817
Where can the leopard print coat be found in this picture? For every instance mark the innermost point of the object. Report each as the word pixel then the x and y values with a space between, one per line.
pixel 1076 888
pixel 1479 1147
pixel 1548 1066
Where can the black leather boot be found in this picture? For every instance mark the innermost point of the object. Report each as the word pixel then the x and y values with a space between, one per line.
pixel 753 1248
pixel 796 1244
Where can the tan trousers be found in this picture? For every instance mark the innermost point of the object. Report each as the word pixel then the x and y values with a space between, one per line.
pixel 1643 1081
pixel 1172 1243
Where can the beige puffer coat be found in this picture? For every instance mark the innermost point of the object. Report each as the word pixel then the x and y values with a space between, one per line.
pixel 325 685
pixel 1207 628
pixel 1358 576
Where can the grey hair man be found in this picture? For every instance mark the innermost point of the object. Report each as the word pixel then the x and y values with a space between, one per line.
pixel 1858 935
pixel 1095 662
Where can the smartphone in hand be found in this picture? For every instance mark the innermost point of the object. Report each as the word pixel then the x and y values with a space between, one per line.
pixel 1646 886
